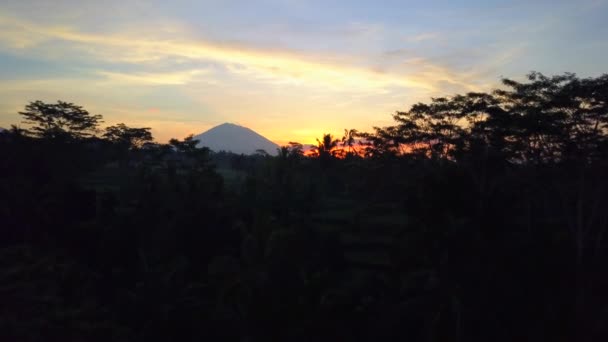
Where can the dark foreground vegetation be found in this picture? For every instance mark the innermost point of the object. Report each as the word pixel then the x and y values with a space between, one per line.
pixel 479 217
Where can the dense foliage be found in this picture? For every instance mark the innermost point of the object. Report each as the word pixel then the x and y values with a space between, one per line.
pixel 477 217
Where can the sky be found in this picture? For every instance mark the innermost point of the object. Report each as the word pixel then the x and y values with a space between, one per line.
pixel 289 69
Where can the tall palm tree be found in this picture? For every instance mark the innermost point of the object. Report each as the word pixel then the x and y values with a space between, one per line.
pixel 326 147
pixel 348 140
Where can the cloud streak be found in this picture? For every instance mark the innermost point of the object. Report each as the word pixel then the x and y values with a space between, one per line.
pixel 269 65
pixel 169 78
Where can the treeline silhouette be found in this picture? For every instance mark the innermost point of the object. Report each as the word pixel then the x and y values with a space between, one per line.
pixel 476 217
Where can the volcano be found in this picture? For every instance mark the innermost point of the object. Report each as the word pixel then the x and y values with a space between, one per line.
pixel 236 139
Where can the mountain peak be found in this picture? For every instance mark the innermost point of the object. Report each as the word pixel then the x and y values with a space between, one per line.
pixel 235 138
pixel 227 124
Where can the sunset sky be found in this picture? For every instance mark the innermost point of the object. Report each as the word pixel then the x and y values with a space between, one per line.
pixel 290 70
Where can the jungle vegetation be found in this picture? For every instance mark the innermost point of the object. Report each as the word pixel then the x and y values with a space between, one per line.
pixel 474 217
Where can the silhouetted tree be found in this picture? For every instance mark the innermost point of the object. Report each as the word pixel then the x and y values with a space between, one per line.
pixel 349 139
pixel 132 138
pixel 187 145
pixel 326 147
pixel 61 119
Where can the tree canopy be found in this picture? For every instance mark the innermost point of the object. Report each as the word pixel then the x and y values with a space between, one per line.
pixel 546 119
pixel 61 119
pixel 131 137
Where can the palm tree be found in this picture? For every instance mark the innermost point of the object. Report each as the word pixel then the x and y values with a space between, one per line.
pixel 348 140
pixel 326 147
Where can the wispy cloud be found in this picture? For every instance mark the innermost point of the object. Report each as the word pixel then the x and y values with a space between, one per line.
pixel 271 65
pixel 167 78
pixel 423 37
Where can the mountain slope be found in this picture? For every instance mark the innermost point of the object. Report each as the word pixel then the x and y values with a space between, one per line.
pixel 236 139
